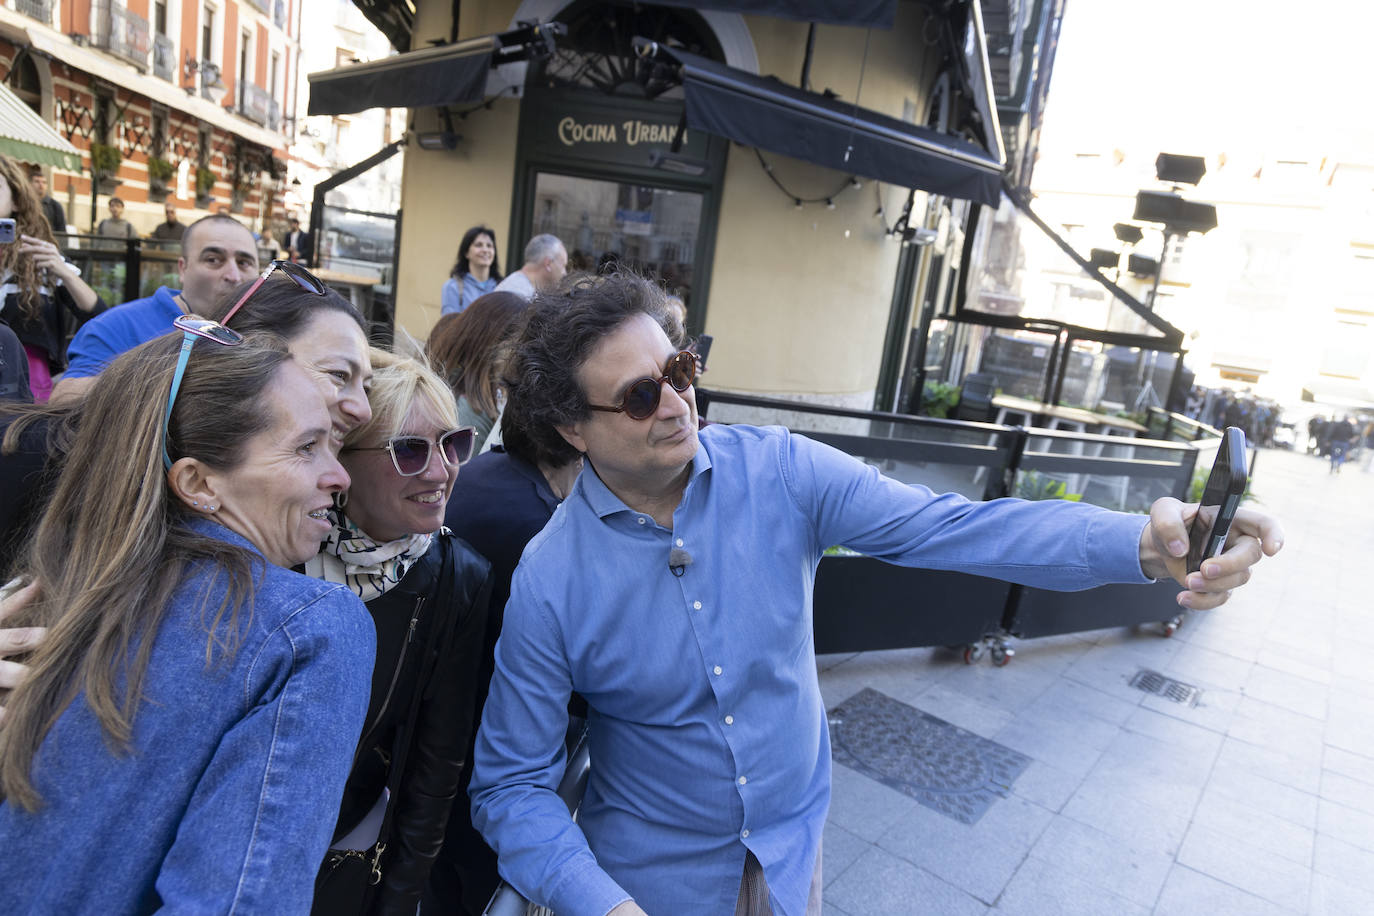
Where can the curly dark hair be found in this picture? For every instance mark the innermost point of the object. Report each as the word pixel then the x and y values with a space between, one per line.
pixel 28 220
pixel 562 328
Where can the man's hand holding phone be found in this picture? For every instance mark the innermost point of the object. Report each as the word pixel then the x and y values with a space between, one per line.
pixel 1164 552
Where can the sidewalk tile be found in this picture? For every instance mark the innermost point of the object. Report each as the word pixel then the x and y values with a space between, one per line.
pixel 1344 862
pixel 1102 861
pixel 1193 739
pixel 1346 824
pixel 1288 691
pixel 1348 792
pixel 948 703
pixel 1240 864
pixel 1041 888
pixel 1144 825
pixel 863 806
pixel 1248 822
pixel 1345 763
pixel 978 859
pixel 1284 801
pixel 1191 893
pixel 839 849
pixel 1301 772
pixel 880 884
pixel 1331 897
pixel 1045 785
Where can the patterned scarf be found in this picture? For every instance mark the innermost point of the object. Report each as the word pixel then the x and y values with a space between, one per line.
pixel 369 569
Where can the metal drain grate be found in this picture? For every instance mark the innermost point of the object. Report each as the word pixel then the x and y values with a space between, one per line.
pixel 1166 687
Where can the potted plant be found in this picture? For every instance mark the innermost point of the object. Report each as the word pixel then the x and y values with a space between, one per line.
pixel 160 171
pixel 205 183
pixel 105 161
pixel 938 399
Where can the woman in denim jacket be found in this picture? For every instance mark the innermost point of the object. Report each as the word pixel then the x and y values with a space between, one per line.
pixel 185 729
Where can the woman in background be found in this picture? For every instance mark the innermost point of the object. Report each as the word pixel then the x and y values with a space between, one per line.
pixel 475 272
pixel 35 279
pixel 469 351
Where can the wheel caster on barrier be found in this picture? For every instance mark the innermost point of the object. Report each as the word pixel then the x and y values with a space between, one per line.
pixel 1000 655
pixel 1171 626
pixel 972 653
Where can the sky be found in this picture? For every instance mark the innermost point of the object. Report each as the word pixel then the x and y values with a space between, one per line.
pixel 1204 76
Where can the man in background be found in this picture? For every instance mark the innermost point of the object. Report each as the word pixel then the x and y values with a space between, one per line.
pixel 217 254
pixel 57 217
pixel 300 247
pixel 546 263
pixel 173 229
pixel 115 226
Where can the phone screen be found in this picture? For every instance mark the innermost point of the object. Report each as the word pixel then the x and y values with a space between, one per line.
pixel 6 230
pixel 1220 499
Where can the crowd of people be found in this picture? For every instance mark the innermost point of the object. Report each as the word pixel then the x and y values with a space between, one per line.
pixel 274 644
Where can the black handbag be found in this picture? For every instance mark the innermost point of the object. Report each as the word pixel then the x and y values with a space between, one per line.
pixel 348 878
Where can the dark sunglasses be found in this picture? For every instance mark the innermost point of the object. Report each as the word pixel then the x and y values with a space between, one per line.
pixel 641 398
pixel 410 454
pixel 299 275
pixel 192 327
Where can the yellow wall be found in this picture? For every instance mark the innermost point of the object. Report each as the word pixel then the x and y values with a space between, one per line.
pixel 796 306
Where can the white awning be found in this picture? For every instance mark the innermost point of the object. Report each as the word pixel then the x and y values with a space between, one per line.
pixel 27 137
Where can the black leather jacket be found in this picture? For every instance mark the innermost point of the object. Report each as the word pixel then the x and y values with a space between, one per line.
pixel 446 611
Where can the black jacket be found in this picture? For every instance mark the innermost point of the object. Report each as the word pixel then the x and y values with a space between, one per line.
pixel 445 609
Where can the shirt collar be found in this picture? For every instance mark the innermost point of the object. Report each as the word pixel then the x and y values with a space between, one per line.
pixel 605 503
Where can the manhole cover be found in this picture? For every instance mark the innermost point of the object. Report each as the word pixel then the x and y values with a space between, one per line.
pixel 944 767
pixel 1166 687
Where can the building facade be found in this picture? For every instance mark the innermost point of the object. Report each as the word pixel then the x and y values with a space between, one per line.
pixel 189 101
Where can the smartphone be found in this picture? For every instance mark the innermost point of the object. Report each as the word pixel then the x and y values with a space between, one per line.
pixel 6 230
pixel 1220 499
pixel 702 348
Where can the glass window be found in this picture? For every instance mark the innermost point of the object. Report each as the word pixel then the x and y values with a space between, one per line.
pixel 649 229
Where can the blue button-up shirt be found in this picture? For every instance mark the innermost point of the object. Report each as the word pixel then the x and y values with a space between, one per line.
pixel 708 733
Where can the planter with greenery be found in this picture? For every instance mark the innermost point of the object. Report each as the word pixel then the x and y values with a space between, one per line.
pixel 105 160
pixel 160 172
pixel 205 183
pixel 938 399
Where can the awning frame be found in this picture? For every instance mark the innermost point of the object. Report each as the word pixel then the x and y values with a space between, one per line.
pixel 25 136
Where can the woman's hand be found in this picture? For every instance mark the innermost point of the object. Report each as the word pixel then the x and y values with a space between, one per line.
pixel 49 257
pixel 16 640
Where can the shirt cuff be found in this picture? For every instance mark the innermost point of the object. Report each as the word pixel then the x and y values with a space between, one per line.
pixel 588 890
pixel 1116 538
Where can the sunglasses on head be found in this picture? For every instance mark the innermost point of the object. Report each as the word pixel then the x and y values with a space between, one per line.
pixel 641 399
pixel 193 328
pixel 298 275
pixel 410 454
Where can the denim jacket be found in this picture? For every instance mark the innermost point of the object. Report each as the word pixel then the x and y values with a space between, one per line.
pixel 228 797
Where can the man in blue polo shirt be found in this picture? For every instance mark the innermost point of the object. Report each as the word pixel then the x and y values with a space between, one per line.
pixel 217 254
pixel 672 589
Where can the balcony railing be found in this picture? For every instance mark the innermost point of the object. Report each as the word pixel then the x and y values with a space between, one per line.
pixel 37 9
pixel 164 58
pixel 262 6
pixel 254 104
pixel 274 116
pixel 122 33
pixel 279 13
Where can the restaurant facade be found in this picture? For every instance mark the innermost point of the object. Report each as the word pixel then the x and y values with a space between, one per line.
pixel 804 175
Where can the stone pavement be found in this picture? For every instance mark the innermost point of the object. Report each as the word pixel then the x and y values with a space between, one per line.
pixel 1258 799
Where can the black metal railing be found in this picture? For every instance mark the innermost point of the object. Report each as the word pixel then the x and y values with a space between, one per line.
pixel 255 103
pixel 36 9
pixel 164 58
pixel 122 33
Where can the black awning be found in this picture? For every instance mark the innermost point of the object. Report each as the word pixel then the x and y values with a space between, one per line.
pixel 768 114
pixel 447 75
pixel 875 14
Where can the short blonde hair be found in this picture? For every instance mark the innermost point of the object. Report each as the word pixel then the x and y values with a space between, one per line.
pixel 398 383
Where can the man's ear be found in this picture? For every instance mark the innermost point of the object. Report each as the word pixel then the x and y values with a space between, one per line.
pixel 195 485
pixel 572 434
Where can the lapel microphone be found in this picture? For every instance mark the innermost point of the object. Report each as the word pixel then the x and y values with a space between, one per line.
pixel 678 561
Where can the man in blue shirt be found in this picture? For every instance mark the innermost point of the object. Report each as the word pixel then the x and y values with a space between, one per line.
pixel 672 589
pixel 217 254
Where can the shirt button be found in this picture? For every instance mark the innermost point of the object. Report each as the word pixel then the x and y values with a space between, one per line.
pixel 744 834
pixel 743 780
pixel 642 520
pixel 679 542
pixel 729 720
pixel 718 670
pixel 696 605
